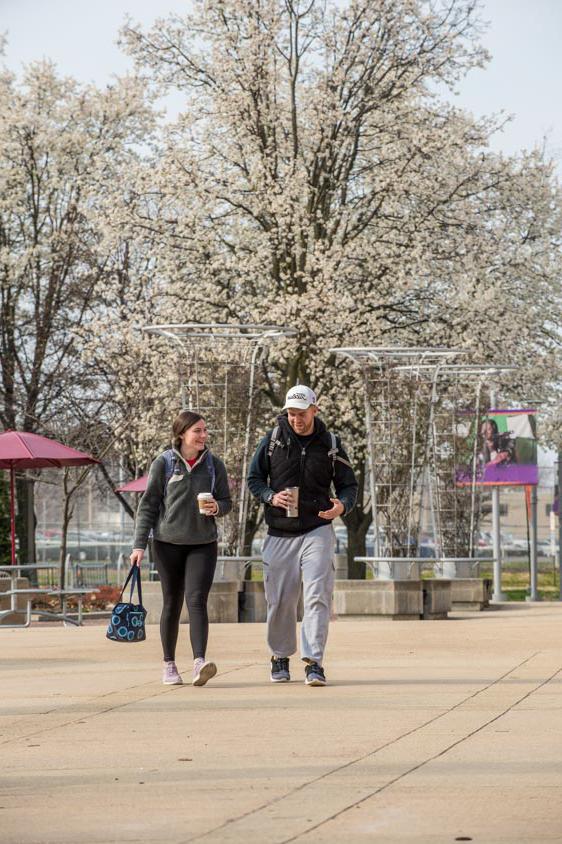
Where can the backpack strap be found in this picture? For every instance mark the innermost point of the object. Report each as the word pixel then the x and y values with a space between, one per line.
pixel 273 441
pixel 336 456
pixel 332 451
pixel 170 463
pixel 211 469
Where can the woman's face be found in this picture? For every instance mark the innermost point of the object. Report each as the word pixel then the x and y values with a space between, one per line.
pixel 195 437
pixel 487 430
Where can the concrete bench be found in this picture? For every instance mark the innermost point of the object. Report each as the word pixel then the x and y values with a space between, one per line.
pixel 471 594
pixel 395 599
pixel 436 598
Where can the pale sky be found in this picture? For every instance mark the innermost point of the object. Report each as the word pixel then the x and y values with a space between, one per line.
pixel 524 77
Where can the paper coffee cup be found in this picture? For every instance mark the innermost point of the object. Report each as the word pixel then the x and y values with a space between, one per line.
pixel 201 498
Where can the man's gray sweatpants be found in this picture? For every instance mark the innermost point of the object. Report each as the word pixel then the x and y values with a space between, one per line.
pixel 285 561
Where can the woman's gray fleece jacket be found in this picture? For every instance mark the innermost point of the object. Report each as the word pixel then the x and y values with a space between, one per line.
pixel 171 511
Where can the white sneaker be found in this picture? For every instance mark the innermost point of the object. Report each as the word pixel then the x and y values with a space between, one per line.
pixel 203 671
pixel 171 675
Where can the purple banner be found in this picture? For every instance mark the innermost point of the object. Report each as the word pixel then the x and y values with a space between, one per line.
pixel 514 475
pixel 505 451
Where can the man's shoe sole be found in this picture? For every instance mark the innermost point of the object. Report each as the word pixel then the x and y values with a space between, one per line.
pixel 280 679
pixel 172 682
pixel 315 681
pixel 208 670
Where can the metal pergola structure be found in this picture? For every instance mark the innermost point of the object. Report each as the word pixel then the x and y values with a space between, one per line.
pixel 218 365
pixel 412 397
pixel 399 385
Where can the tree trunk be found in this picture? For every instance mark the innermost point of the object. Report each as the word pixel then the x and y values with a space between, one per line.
pixel 357 523
pixel 21 521
pixel 253 521
pixel 111 483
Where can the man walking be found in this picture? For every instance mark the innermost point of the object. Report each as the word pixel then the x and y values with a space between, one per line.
pixel 300 452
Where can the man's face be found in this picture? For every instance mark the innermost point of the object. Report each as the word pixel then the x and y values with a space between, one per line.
pixel 302 421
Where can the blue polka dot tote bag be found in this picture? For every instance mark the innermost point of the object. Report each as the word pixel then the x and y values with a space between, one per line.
pixel 127 619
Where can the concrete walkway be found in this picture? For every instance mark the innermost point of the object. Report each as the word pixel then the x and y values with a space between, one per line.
pixel 428 732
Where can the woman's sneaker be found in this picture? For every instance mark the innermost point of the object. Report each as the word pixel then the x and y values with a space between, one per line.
pixel 203 671
pixel 314 675
pixel 280 669
pixel 171 675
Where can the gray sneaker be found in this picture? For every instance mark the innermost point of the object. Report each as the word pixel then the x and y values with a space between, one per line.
pixel 171 675
pixel 202 671
pixel 314 675
pixel 280 669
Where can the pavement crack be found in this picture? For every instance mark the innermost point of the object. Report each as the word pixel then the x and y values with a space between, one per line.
pixel 370 753
pixel 82 718
pixel 425 761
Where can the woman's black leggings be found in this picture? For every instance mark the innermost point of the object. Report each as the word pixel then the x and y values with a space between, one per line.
pixel 185 570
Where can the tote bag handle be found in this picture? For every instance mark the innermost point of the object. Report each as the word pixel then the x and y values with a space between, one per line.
pixel 135 578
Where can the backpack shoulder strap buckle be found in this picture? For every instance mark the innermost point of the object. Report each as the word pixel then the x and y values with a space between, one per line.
pixel 274 441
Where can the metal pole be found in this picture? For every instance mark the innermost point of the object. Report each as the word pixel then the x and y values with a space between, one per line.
pixel 533 593
pixel 473 478
pixel 13 512
pixel 560 523
pixel 243 501
pixel 31 554
pixel 67 571
pixel 372 479
pixel 497 594
pixel 431 466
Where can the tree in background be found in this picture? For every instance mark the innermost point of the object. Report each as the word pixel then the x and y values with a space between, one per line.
pixel 61 145
pixel 315 179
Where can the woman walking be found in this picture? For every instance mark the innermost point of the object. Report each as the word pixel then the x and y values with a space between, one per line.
pixel 187 488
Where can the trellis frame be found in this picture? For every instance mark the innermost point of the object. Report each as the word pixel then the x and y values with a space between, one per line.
pixel 414 360
pixel 253 339
pixel 435 362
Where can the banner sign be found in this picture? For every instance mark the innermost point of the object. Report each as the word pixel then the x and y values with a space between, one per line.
pixel 506 450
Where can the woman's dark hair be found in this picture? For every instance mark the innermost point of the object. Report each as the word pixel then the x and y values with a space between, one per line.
pixel 494 425
pixel 184 420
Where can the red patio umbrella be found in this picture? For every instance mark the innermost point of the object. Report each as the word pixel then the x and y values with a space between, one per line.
pixel 20 450
pixel 138 485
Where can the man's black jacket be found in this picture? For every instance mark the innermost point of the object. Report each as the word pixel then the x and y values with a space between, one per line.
pixel 306 463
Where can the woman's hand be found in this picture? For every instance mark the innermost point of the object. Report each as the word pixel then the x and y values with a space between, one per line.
pixel 136 557
pixel 210 506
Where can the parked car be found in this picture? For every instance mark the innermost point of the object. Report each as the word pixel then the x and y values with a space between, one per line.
pixel 544 548
pixel 513 545
pixel 485 539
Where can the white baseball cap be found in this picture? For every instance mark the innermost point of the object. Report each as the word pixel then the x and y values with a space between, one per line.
pixel 300 398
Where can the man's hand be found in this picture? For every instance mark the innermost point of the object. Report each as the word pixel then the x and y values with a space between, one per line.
pixel 334 511
pixel 281 499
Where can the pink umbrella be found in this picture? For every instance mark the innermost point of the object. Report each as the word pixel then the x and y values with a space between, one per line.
pixel 30 451
pixel 138 485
